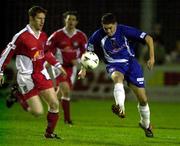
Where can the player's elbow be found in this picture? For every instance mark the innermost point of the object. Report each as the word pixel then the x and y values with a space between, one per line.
pixel 148 39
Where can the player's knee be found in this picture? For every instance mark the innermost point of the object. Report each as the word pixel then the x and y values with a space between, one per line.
pixel 37 112
pixel 54 106
pixel 143 102
pixel 142 98
pixel 66 92
pixel 65 95
pixel 117 77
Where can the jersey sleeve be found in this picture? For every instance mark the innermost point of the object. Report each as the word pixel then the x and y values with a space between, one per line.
pixel 6 56
pixel 93 42
pixel 50 58
pixel 134 33
pixel 83 44
pixel 51 44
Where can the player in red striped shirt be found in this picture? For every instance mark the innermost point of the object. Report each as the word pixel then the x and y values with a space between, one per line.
pixel 32 77
pixel 67 44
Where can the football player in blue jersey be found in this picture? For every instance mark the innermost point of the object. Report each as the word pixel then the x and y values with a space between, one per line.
pixel 115 44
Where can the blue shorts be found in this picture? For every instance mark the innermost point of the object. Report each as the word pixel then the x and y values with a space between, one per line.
pixel 131 70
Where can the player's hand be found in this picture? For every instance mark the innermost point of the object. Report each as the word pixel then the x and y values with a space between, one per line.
pixel 150 63
pixel 1 80
pixel 63 72
pixel 75 62
pixel 82 73
pixel 47 65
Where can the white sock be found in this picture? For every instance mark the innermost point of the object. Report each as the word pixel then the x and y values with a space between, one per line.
pixel 144 115
pixel 119 94
pixel 65 98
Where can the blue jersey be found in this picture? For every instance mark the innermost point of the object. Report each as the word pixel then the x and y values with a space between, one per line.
pixel 117 48
pixel 117 52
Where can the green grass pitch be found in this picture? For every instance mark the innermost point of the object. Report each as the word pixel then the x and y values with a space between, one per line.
pixel 94 125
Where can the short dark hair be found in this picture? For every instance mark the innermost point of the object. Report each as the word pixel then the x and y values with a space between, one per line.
pixel 36 9
pixel 108 18
pixel 75 13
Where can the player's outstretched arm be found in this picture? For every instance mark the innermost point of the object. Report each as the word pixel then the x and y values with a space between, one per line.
pixel 63 72
pixel 1 80
pixel 150 44
pixel 82 73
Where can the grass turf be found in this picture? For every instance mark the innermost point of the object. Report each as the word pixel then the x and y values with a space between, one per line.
pixel 94 125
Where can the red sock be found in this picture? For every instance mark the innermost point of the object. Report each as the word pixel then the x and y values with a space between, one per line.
pixel 22 101
pixel 66 108
pixel 52 119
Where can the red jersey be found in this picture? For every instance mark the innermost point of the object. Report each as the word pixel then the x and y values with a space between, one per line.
pixel 67 48
pixel 29 51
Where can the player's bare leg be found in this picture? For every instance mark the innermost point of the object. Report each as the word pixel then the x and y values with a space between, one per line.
pixel 35 105
pixel 119 94
pixel 16 96
pixel 50 97
pixel 143 109
pixel 64 93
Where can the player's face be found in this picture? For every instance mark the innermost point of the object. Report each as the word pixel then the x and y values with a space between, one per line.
pixel 38 21
pixel 110 29
pixel 71 21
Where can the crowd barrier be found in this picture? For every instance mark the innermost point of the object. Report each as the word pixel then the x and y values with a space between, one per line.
pixel 162 83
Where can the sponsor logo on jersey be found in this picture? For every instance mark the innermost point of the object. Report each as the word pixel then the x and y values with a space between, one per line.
pixel 116 47
pixel 38 55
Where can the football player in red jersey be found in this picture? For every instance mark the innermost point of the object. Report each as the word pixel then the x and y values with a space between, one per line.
pixel 32 77
pixel 67 44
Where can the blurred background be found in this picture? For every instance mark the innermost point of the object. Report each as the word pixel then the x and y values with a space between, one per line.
pixel 160 18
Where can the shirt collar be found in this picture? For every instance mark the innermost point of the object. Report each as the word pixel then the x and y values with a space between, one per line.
pixel 65 31
pixel 32 32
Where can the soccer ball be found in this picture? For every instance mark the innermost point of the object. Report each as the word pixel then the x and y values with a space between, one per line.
pixel 89 60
